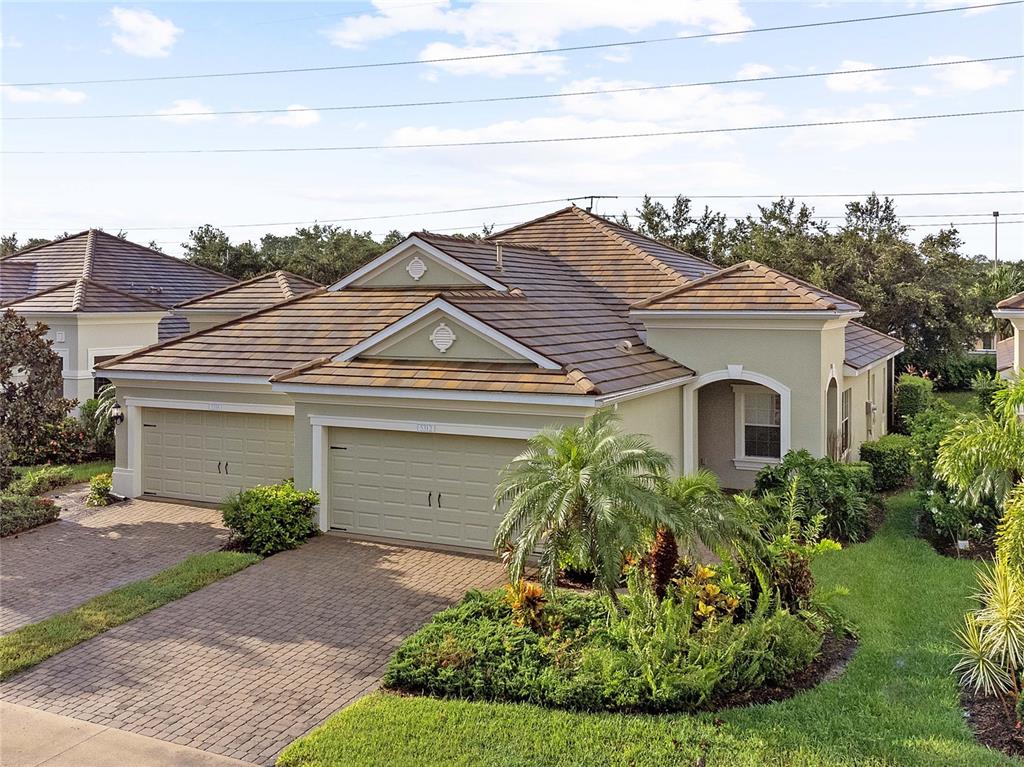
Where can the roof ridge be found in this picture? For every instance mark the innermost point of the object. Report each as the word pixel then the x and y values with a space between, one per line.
pixel 283 284
pixel 42 292
pixel 79 295
pixel 1008 303
pixel 90 242
pixel 194 333
pixel 32 248
pixel 238 284
pixel 601 225
pixel 686 253
pixel 679 289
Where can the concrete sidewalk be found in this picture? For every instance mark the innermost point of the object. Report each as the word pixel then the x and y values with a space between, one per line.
pixel 32 738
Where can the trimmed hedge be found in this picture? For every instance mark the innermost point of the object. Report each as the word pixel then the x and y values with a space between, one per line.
pixel 912 395
pixel 19 513
pixel 889 457
pixel 267 519
pixel 42 480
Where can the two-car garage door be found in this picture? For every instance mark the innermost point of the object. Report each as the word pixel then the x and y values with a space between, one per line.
pixel 430 488
pixel 203 455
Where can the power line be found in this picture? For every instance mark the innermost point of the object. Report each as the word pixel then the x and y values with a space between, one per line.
pixel 526 97
pixel 509 142
pixel 510 54
pixel 502 206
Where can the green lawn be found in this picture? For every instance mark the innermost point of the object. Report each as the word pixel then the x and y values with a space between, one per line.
pixel 896 705
pixel 83 471
pixel 36 642
pixel 967 401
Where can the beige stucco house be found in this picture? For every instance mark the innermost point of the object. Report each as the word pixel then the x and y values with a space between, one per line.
pixel 101 296
pixel 1010 351
pixel 400 391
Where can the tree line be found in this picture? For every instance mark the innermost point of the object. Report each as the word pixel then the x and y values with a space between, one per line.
pixel 931 294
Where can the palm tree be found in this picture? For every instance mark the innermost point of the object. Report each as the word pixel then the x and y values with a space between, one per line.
pixel 699 512
pixel 105 401
pixel 588 483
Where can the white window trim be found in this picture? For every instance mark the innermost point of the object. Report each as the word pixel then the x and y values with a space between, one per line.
pixel 846 418
pixel 741 460
pixel 731 372
pixel 400 249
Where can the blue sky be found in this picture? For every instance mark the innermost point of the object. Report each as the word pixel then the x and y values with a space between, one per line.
pixel 160 196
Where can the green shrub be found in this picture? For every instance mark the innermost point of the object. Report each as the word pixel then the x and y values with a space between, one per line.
pixel 23 512
pixel 99 430
pixel 270 518
pixel 927 429
pixel 912 395
pixel 65 442
pixel 985 384
pixel 862 474
pixel 100 488
pixel 41 480
pixel 825 486
pixel 889 457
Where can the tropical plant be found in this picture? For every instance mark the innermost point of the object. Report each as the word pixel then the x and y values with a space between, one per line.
pixel 700 514
pixel 590 483
pixel 102 416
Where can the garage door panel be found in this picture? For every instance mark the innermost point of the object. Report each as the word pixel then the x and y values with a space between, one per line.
pixel 207 455
pixel 429 488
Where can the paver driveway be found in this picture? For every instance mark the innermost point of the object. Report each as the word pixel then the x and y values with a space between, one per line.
pixel 246 665
pixel 91 551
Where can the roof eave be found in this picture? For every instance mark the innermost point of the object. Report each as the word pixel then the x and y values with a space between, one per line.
pixel 826 314
pixel 1007 314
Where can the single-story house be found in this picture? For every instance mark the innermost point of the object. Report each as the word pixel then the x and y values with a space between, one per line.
pixel 1010 351
pixel 400 391
pixel 101 297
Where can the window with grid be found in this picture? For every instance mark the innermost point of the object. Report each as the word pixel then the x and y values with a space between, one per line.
pixel 845 428
pixel 762 424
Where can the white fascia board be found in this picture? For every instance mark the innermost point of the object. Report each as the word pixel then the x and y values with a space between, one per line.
pixel 225 407
pixel 655 313
pixel 643 391
pixel 440 304
pixel 572 400
pixel 424 427
pixel 140 375
pixel 396 252
pixel 851 372
pixel 1007 314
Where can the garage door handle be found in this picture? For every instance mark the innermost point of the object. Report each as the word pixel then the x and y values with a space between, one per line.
pixel 218 467
pixel 439 499
pixel 430 497
pixel 226 464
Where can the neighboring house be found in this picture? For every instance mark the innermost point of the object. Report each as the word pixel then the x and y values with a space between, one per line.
pixel 241 298
pixel 399 392
pixel 1010 351
pixel 101 297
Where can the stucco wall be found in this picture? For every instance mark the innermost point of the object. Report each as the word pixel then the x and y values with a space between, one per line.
pixel 659 416
pixel 869 386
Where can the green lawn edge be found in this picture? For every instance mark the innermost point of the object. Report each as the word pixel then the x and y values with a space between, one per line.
pixel 82 472
pixel 32 644
pixel 896 705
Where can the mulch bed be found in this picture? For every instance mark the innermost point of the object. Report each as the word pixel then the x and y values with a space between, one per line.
pixel 836 653
pixel 992 724
pixel 980 551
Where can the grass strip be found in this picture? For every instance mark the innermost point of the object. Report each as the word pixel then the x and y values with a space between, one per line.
pixel 36 642
pixel 82 472
pixel 895 706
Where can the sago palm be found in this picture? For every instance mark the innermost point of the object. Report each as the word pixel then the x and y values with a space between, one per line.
pixel 589 484
pixel 698 512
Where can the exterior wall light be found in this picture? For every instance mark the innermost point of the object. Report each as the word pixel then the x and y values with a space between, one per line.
pixel 116 414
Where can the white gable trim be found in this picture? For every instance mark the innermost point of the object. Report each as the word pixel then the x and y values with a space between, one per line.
pixel 1007 314
pixel 400 249
pixel 439 304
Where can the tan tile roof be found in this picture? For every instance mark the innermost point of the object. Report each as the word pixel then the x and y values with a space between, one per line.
pixel 84 295
pixel 116 263
pixel 1004 354
pixel 443 375
pixel 1013 302
pixel 866 346
pixel 256 293
pixel 748 286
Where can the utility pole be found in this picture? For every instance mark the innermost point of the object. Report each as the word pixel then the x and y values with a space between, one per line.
pixel 995 219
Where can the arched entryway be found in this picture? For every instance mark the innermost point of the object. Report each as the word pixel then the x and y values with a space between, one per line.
pixel 832 419
pixel 736 421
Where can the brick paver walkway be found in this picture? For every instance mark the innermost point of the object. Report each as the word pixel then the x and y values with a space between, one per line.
pixel 246 665
pixel 91 551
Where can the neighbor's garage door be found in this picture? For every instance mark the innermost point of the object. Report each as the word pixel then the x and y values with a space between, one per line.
pixel 204 455
pixel 431 488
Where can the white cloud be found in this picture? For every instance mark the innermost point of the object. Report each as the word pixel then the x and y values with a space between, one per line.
pixel 863 82
pixel 755 70
pixel 188 111
pixel 493 28
pixel 976 76
pixel 10 42
pixel 848 137
pixel 43 95
pixel 620 56
pixel 143 33
pixel 297 116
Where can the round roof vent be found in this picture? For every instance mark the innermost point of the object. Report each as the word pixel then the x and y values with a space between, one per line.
pixel 624 346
